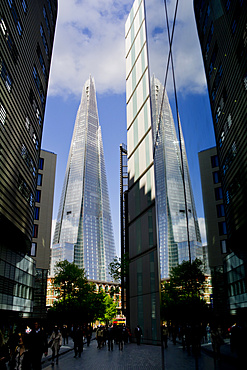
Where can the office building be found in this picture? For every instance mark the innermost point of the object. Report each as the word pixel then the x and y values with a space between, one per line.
pixel 84 233
pixel 41 239
pixel 144 275
pixel 215 226
pixel 26 35
pixel 222 33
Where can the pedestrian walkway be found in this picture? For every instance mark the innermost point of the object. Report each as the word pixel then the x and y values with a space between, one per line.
pixel 136 357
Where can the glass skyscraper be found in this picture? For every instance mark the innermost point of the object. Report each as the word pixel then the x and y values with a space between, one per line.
pixel 170 199
pixel 84 233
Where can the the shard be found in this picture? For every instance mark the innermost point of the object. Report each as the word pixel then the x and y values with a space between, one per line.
pixel 177 242
pixel 83 232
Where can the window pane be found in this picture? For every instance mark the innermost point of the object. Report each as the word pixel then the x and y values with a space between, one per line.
pixel 39 179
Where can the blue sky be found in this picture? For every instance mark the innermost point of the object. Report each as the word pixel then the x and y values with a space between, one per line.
pixel 90 40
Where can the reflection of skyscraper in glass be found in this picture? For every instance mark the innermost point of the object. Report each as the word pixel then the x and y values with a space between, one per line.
pixel 83 231
pixel 170 200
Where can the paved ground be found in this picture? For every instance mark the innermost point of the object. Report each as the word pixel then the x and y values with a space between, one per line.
pixel 139 357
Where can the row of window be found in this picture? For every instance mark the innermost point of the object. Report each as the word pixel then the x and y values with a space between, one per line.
pixel 28 160
pixel 39 86
pixel 4 73
pixel 25 190
pixel 2 115
pixel 9 40
pixel 15 16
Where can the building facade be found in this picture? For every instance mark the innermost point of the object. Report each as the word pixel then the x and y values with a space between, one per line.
pixel 84 233
pixel 222 33
pixel 41 239
pixel 144 275
pixel 178 229
pixel 26 36
pixel 215 226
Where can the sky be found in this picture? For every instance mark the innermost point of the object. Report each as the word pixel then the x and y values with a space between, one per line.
pixel 90 39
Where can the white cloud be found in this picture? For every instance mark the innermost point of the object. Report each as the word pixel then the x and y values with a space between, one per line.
pixel 90 40
pixel 202 227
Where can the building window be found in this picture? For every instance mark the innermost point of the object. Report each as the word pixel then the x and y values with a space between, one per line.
pixel 220 210
pixel 41 163
pixel 39 86
pixel 28 160
pixel 216 177
pixel 223 246
pixel 46 21
pixel 2 115
pixel 24 5
pixel 35 107
pixel 25 190
pixel 36 213
pixel 39 179
pixel 15 16
pixel 33 250
pixel 218 193
pixel 222 228
pixel 44 41
pixel 35 231
pixel 214 161
pixel 42 63
pixel 5 75
pixel 38 196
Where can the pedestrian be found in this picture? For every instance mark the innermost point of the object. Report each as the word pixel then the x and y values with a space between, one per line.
pixel 65 335
pixel 119 337
pixel 38 345
pixel 88 334
pixel 165 335
pixel 110 337
pixel 4 353
pixel 217 341
pixel 208 333
pixel 55 343
pixel 21 359
pixel 78 341
pixel 138 334
pixel 99 336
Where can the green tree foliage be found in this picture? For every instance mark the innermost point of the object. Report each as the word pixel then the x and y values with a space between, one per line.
pixel 110 309
pixel 118 267
pixel 181 297
pixel 78 300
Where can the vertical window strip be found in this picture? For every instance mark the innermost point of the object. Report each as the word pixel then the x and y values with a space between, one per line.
pixel 2 115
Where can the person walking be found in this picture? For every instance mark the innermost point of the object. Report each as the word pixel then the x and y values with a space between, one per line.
pixel 110 337
pixel 165 334
pixel 65 335
pixel 21 359
pixel 55 342
pixel 38 345
pixel 138 334
pixel 78 341
pixel 88 334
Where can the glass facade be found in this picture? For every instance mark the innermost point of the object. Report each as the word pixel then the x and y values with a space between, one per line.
pixel 170 199
pixel 84 224
pixel 142 241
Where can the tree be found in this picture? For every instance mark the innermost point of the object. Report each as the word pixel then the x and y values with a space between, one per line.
pixel 181 297
pixel 69 278
pixel 110 309
pixel 118 267
pixel 78 299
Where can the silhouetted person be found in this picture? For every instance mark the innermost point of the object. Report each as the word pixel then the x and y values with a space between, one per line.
pixel 78 341
pixel 138 334
pixel 38 345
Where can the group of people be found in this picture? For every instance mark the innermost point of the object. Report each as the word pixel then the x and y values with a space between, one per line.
pixel 24 350
pixel 118 334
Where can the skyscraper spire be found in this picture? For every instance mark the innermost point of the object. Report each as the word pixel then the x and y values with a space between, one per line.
pixel 83 231
pixel 170 200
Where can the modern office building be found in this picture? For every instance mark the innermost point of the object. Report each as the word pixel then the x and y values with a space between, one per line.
pixel 84 226
pixel 178 229
pixel 42 224
pixel 26 36
pixel 222 33
pixel 162 227
pixel 215 226
pixel 144 274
